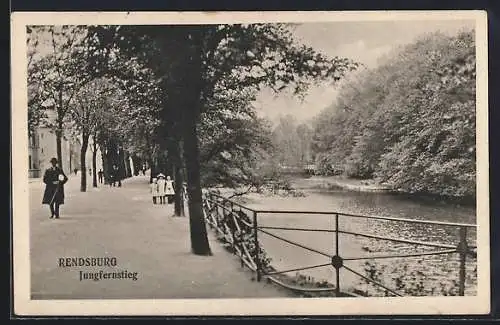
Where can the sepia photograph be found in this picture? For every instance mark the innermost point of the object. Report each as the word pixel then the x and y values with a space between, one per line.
pixel 272 163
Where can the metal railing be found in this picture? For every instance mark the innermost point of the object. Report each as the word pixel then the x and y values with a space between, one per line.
pixel 238 226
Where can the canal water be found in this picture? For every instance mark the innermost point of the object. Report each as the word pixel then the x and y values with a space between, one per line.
pixel 423 275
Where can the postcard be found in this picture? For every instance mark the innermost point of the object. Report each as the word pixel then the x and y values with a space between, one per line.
pixel 250 163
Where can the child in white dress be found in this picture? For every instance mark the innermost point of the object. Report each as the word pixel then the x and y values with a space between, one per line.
pixel 169 190
pixel 161 188
pixel 154 190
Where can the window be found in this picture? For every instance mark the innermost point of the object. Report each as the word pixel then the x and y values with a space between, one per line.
pixel 29 161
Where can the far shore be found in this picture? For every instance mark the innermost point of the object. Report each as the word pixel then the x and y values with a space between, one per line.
pixel 331 183
pixel 335 182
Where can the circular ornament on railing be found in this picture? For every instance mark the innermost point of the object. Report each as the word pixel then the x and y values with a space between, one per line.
pixel 337 262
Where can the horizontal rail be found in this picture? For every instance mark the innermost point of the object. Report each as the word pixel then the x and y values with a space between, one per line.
pixel 450 251
pixel 373 281
pixel 228 200
pixel 296 244
pixel 214 201
pixel 427 222
pixel 397 240
pixel 231 212
pixel 297 229
pixel 219 205
pixel 299 269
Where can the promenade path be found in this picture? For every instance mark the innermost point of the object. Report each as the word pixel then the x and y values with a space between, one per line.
pixel 144 238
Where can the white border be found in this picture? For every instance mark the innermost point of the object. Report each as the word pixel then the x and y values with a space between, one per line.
pixel 479 304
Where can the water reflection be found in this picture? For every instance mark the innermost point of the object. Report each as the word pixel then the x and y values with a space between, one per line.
pixel 427 275
pixel 393 205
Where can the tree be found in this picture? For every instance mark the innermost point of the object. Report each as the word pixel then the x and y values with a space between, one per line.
pixel 437 149
pixel 56 75
pixel 88 114
pixel 304 137
pixel 195 62
pixel 232 140
pixel 409 122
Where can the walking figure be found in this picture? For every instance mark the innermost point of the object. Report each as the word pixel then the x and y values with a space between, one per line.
pixel 169 190
pixel 90 171
pixel 75 170
pixel 54 179
pixel 100 175
pixel 117 176
pixel 154 190
pixel 112 176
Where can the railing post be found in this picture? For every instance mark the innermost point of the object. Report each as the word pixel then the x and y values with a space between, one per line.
pixel 337 268
pixel 462 250
pixel 204 198
pixel 257 247
pixel 217 212
pixel 233 228
pixel 242 241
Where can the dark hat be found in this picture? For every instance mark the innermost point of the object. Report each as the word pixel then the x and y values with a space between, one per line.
pixel 53 160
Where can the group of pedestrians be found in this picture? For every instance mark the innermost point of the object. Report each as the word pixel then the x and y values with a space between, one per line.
pixel 100 174
pixel 114 177
pixel 162 189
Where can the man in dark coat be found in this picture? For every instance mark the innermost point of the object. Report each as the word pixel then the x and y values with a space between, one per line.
pixel 54 179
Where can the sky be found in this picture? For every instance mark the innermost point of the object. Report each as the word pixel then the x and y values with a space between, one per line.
pixel 364 42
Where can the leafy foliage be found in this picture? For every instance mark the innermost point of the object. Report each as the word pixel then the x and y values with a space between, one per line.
pixel 409 123
pixel 172 76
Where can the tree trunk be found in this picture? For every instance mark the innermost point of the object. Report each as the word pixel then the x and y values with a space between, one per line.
pixel 136 162
pixel 175 167
pixel 59 147
pixel 179 198
pixel 173 162
pixel 131 166
pixel 59 131
pixel 128 167
pixel 121 166
pixel 105 163
pixel 83 152
pixel 198 230
pixel 151 171
pixel 94 164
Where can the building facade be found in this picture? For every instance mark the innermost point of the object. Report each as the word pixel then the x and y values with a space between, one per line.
pixel 42 146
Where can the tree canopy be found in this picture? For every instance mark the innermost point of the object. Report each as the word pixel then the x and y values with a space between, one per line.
pixel 188 94
pixel 409 123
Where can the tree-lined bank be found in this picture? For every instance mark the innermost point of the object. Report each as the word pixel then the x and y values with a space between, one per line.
pixel 186 94
pixel 409 123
